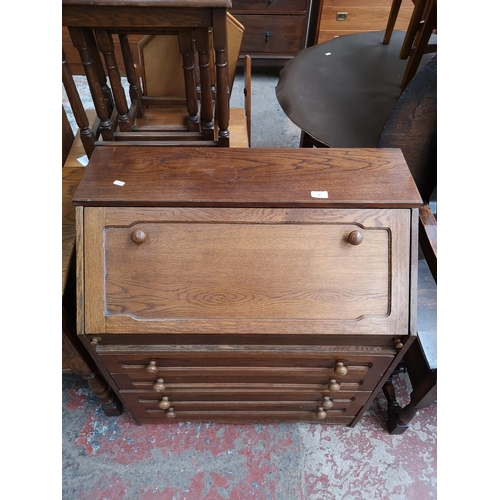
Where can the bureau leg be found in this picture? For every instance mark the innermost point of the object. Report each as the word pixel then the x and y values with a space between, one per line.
pixel 80 363
pixel 394 423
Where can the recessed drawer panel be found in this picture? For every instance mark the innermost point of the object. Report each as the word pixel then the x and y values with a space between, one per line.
pixel 149 408
pixel 272 34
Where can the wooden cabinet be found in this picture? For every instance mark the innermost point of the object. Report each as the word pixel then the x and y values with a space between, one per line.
pixel 275 30
pixel 233 287
pixel 344 17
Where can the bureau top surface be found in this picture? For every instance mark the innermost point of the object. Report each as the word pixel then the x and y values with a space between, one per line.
pixel 284 177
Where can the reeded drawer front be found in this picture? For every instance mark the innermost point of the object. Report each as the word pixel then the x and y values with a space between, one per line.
pixel 247 271
pixel 148 407
pixel 272 34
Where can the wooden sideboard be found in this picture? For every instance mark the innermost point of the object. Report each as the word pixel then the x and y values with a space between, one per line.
pixel 220 285
pixel 344 17
pixel 275 30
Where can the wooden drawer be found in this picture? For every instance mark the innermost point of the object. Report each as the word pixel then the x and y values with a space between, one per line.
pixel 245 366
pixel 271 7
pixel 145 407
pixel 272 34
pixel 362 16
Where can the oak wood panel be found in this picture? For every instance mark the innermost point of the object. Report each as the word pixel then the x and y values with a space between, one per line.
pixel 267 177
pixel 128 359
pixel 71 177
pixel 362 16
pixel 137 303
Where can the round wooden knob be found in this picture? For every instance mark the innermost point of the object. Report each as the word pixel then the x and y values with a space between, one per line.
pixel 326 403
pixel 333 386
pixel 164 403
pixel 398 344
pixel 94 341
pixel 159 385
pixel 152 368
pixel 340 370
pixel 355 238
pixel 321 414
pixel 138 236
pixel 170 413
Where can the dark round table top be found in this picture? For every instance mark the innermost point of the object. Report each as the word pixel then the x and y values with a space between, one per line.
pixel 342 91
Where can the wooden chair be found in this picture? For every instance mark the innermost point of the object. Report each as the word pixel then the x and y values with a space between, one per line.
pixel 412 127
pixel 423 23
pixel 75 358
pixel 97 26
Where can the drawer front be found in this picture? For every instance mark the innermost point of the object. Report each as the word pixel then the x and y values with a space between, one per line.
pixel 252 271
pixel 248 366
pixel 273 34
pixel 267 6
pixel 146 407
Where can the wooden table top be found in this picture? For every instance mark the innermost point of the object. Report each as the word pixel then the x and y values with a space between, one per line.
pixel 341 92
pixel 233 177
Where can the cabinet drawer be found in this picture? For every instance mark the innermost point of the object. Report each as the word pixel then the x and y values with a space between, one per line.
pixel 146 407
pixel 273 34
pixel 267 6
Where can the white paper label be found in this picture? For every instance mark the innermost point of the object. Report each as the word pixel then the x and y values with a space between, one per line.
pixel 319 194
pixel 119 183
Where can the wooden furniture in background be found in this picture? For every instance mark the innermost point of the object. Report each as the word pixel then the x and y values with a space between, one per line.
pixel 422 24
pixel 92 26
pixel 215 285
pixel 341 92
pixel 275 30
pixel 412 127
pixel 345 17
pixel 75 358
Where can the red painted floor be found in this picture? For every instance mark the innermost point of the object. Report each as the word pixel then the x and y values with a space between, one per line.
pixel 108 458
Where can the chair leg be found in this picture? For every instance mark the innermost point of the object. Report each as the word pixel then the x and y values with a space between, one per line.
pixel 393 15
pixel 429 24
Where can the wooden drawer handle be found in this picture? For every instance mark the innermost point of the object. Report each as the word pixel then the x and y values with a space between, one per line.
pixel 398 344
pixel 152 369
pixel 326 403
pixel 340 370
pixel 170 413
pixel 164 403
pixel 94 341
pixel 333 386
pixel 138 236
pixel 159 385
pixel 355 238
pixel 321 414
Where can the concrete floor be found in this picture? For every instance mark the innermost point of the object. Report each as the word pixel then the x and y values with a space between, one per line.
pixel 112 458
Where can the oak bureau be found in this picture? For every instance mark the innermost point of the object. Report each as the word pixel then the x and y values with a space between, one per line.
pixel 240 286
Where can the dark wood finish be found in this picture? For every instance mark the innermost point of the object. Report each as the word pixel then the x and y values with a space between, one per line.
pixel 75 358
pixel 274 31
pixel 225 335
pixel 110 23
pixel 412 126
pixel 422 24
pixel 341 92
